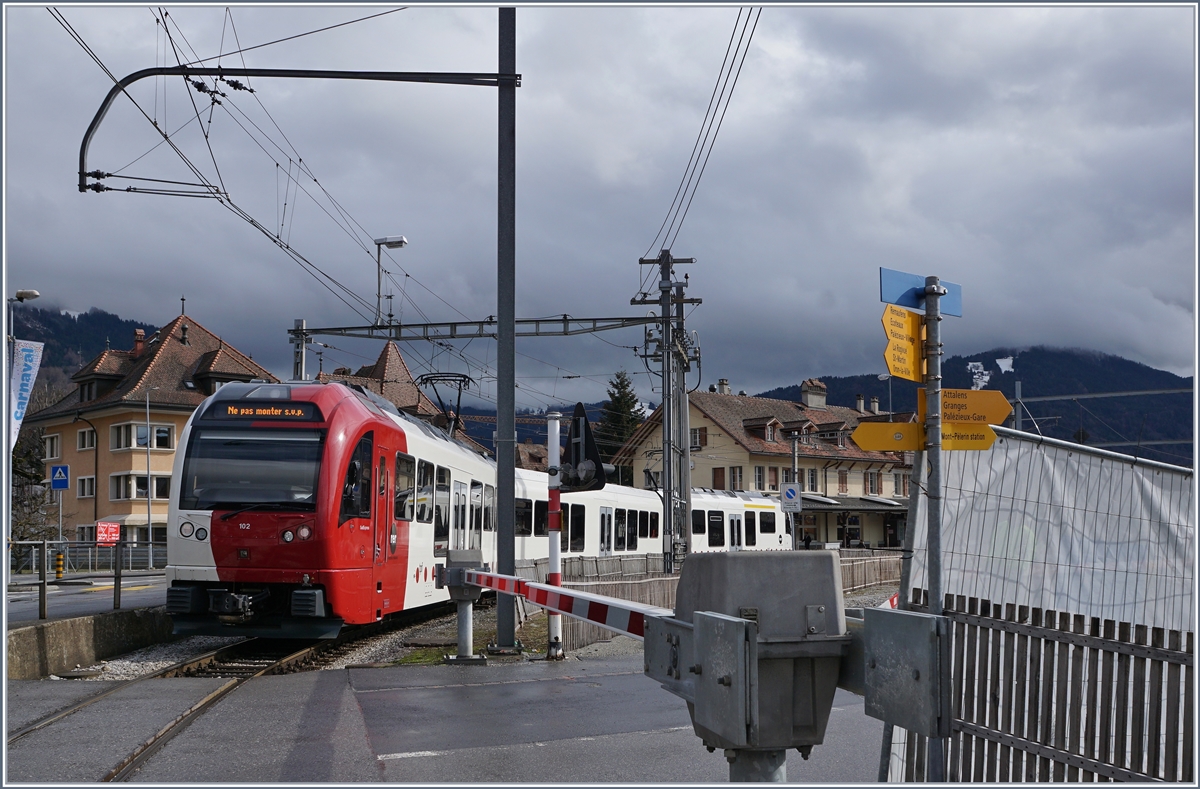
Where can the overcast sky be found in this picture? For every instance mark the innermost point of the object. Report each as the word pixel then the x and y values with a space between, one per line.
pixel 1042 158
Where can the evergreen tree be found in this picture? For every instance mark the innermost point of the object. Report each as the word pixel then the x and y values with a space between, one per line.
pixel 619 417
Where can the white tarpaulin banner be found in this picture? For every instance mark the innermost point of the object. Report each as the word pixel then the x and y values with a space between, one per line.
pixel 1062 527
pixel 27 357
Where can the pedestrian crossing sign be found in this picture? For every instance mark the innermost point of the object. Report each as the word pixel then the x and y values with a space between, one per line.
pixel 60 477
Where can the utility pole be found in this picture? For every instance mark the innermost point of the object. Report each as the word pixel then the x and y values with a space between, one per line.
pixel 674 351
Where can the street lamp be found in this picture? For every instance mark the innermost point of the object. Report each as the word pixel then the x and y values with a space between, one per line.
pixel 149 479
pixel 888 378
pixel 391 242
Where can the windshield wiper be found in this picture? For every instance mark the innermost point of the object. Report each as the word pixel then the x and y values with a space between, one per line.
pixel 260 504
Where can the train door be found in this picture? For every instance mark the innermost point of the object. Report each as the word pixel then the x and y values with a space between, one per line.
pixel 735 531
pixel 458 531
pixel 606 531
pixel 476 537
pixel 382 510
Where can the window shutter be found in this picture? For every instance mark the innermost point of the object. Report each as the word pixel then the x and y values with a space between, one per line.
pixel 703 436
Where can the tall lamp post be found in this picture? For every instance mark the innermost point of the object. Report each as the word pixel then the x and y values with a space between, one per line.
pixel 887 377
pixel 149 479
pixel 391 242
pixel 20 296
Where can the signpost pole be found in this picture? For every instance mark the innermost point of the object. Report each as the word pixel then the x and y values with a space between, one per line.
pixel 43 588
pixel 933 450
pixel 117 576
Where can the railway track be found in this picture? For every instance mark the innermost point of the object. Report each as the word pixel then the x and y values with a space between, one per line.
pixel 238 663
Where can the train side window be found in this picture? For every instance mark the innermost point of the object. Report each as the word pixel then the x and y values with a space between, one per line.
pixel 644 524
pixel 477 506
pixel 540 516
pixel 489 508
pixel 524 524
pixel 766 522
pixel 716 529
pixel 564 536
pixel 619 531
pixel 654 525
pixel 441 506
pixel 751 534
pixel 424 491
pixel 697 521
pixel 356 490
pixel 578 513
pixel 633 529
pixel 405 480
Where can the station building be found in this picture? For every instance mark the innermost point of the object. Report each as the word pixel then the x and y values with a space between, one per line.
pixel 124 402
pixel 850 495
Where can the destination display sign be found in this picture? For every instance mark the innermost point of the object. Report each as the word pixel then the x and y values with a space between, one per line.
pixel 903 352
pixel 301 412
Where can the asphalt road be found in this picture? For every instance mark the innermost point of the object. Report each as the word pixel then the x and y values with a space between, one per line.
pixel 81 599
pixel 590 720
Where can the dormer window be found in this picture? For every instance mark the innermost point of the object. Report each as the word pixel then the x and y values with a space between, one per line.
pixel 87 391
pixel 841 436
pixel 770 432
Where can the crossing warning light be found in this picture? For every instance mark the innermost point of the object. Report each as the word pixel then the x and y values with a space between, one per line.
pixel 581 468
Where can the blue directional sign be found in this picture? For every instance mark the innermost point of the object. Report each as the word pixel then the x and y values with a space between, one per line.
pixel 908 290
pixel 60 477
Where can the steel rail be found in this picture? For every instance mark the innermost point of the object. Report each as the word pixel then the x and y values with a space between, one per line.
pixel 116 686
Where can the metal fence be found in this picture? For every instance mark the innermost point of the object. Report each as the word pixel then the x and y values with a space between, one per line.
pixel 86 557
pixel 1069 574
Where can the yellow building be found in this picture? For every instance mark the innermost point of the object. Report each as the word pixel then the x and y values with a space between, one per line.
pixel 850 495
pixel 117 451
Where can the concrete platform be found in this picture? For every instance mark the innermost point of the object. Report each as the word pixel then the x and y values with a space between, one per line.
pixel 588 720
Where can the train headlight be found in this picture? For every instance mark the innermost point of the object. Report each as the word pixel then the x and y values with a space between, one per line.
pixel 202 534
pixel 304 532
pixel 288 536
pixel 186 528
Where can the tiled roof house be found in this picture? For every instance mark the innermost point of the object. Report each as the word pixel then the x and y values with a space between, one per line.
pixel 739 442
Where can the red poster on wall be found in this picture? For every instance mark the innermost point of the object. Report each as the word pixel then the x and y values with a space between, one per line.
pixel 107 532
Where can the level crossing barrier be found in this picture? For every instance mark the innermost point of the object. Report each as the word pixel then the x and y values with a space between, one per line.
pixel 749 629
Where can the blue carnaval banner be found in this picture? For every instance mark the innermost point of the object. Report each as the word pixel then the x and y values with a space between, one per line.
pixel 27 357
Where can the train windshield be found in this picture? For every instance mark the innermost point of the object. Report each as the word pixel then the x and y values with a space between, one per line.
pixel 227 468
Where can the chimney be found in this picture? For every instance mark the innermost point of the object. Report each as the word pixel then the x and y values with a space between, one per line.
pixel 812 393
pixel 874 405
pixel 711 387
pixel 858 403
pixel 723 386
pixel 139 342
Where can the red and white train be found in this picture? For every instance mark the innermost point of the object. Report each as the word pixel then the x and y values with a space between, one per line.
pixel 299 508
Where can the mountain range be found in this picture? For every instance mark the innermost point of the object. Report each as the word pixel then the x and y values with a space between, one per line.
pixel 72 339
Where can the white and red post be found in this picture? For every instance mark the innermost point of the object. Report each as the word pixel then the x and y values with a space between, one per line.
pixel 554 647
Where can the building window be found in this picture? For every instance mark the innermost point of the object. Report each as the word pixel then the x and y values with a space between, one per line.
pixel 773 478
pixel 133 486
pixel 900 481
pixel 87 391
pixel 735 479
pixel 770 432
pixel 86 439
pixel 129 436
pixel 85 487
pixel 787 476
pixel 52 447
pixel 812 480
pixel 760 474
pixel 699 437
pixel 657 479
pixel 841 438
pixel 843 482
pixel 872 483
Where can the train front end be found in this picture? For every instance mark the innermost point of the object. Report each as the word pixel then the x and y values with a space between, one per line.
pixel 248 552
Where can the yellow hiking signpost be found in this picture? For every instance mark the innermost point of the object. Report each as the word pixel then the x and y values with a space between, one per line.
pixel 910 436
pixel 903 352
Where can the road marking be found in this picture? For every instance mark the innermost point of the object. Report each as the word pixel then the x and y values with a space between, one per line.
pixel 383 757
